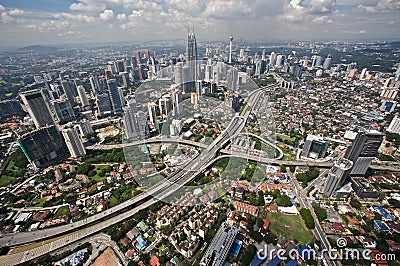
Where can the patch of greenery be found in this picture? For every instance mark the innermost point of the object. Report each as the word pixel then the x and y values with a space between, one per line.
pixel 307 217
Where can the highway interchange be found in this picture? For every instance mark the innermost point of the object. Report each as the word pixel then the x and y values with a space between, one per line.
pixel 69 233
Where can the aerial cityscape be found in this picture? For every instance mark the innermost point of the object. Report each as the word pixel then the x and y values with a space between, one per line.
pixel 207 144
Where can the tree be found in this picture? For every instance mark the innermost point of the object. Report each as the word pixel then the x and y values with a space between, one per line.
pixel 284 200
pixel 307 217
pixel 84 168
pixel 320 212
pixel 256 236
pixel 355 203
pixel 249 255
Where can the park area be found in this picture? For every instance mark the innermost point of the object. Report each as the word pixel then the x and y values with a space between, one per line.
pixel 291 227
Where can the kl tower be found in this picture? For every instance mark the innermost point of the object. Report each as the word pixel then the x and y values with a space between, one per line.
pixel 230 49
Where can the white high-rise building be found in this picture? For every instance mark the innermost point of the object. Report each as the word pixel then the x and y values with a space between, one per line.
pixel 272 59
pixel 394 126
pixel 84 128
pixel 194 99
pixel 279 59
pixel 175 127
pixel 363 73
pixel 74 142
pixel 82 96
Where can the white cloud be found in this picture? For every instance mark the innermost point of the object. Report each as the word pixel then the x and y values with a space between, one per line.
pixel 2 8
pixel 381 7
pixel 190 6
pixel 87 5
pixel 139 4
pixel 227 9
pixel 76 17
pixel 122 17
pixel 49 25
pixel 322 20
pixel 16 12
pixel 362 32
pixel 6 18
pixel 317 11
pixel 107 14
pixel 322 6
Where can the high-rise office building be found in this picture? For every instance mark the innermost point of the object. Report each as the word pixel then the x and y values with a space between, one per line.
pixel 73 142
pixel 191 48
pixel 131 123
pixel 114 96
pixel 138 58
pixel 37 108
pixel 190 71
pixel 363 74
pixel 363 150
pixel 279 60
pixel 272 59
pixel 152 112
pixel 394 126
pixel 63 110
pixel 165 105
pixel 69 91
pixel 327 62
pixel 103 104
pixel 43 147
pixel 318 61
pixel 218 250
pixel 84 128
pixel 232 79
pixel 176 101
pixel 119 66
pixel 315 147
pixel 337 176
pixel 82 96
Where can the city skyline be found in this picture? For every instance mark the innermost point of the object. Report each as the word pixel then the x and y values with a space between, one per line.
pixel 87 21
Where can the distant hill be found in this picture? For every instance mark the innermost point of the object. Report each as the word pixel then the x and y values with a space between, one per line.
pixel 38 49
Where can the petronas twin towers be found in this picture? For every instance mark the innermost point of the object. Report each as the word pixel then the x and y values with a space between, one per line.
pixel 191 63
pixel 191 48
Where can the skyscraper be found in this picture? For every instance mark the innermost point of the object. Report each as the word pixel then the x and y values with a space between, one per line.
pixel 74 142
pixel 315 147
pixel 103 104
pixel 363 150
pixel 43 147
pixel 84 128
pixel 37 108
pixel 69 91
pixel 63 110
pixel 327 62
pixel 82 96
pixel 131 125
pixel 191 49
pixel 190 73
pixel 114 96
pixel 337 176
pixel 230 49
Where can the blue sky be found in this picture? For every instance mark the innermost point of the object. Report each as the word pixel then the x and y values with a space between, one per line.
pixel 25 22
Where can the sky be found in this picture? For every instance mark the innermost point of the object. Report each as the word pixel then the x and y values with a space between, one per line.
pixel 29 22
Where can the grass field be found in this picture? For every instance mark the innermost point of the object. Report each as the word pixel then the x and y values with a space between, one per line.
pixel 5 180
pixel 284 137
pixel 64 210
pixel 290 226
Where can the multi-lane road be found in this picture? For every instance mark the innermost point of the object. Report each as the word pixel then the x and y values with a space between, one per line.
pixel 124 210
